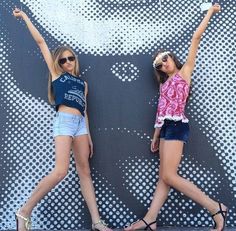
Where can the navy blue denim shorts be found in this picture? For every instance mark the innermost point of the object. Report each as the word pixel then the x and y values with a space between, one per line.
pixel 174 130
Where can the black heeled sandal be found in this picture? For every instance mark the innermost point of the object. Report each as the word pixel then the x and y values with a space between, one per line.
pixel 223 213
pixel 148 226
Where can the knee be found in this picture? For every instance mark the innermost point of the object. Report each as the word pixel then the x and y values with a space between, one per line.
pixel 163 177
pixel 83 169
pixel 160 179
pixel 169 178
pixel 59 174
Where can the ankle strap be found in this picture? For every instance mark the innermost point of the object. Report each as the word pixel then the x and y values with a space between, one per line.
pixel 22 217
pixel 26 219
pixel 100 222
pixel 220 211
pixel 148 225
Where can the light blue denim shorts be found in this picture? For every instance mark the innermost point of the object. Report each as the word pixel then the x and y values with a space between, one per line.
pixel 66 124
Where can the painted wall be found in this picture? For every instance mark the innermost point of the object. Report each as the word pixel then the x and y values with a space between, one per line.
pixel 115 41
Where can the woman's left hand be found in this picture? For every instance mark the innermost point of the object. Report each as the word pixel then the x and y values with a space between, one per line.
pixel 90 147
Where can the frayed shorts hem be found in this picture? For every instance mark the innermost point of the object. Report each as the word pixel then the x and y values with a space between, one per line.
pixel 66 124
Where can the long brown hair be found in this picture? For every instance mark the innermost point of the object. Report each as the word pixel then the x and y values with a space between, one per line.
pixel 56 55
pixel 160 75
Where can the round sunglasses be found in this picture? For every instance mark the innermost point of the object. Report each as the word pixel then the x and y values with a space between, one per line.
pixel 64 60
pixel 164 59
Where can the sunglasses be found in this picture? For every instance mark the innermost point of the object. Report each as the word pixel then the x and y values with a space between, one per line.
pixel 64 60
pixel 164 59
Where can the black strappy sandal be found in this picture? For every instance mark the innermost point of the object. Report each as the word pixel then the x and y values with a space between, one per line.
pixel 148 226
pixel 223 214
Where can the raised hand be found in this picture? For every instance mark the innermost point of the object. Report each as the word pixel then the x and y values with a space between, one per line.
pixel 18 13
pixel 215 8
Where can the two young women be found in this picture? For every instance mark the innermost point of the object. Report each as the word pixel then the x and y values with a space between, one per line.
pixel 71 130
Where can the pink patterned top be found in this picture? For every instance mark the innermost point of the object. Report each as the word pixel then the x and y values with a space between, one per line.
pixel 173 96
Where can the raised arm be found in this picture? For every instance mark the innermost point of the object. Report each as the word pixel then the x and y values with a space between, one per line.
pixel 188 67
pixel 38 39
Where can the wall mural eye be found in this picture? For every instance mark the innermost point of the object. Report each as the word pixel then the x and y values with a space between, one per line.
pixel 115 48
pixel 125 71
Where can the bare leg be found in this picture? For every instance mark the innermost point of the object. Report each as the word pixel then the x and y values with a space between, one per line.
pixel 81 152
pixel 160 195
pixel 62 146
pixel 172 152
pixel 161 192
pixel 170 157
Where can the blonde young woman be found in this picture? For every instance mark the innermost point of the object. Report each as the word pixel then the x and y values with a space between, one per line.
pixel 172 131
pixel 70 129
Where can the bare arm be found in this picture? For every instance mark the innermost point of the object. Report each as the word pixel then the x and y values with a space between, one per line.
pixel 87 121
pixel 38 39
pixel 188 67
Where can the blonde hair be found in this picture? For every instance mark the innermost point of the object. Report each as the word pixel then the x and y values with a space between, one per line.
pixel 56 55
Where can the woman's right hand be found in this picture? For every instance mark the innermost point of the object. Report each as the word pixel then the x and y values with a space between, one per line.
pixel 155 144
pixel 155 140
pixel 18 13
pixel 38 39
pixel 215 8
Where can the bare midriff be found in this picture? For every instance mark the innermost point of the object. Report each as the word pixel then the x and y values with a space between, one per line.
pixel 71 110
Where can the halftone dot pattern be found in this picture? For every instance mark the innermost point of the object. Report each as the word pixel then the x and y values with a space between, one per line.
pixel 112 27
pixel 213 92
pixel 21 171
pixel 140 178
pixel 102 28
pixel 111 207
pixel 153 102
pixel 139 134
pixel 120 215
pixel 125 71
pixel 63 207
pixel 17 138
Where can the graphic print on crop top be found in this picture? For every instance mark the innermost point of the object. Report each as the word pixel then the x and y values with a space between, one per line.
pixel 69 90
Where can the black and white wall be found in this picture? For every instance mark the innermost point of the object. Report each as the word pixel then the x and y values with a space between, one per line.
pixel 115 40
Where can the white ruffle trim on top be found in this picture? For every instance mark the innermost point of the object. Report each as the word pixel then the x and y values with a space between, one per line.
pixel 170 117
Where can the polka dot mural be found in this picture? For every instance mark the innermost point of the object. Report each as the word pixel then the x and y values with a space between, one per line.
pixel 115 41
pixel 125 71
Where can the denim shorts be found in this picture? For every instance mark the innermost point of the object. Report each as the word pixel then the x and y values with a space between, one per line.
pixel 174 130
pixel 66 124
